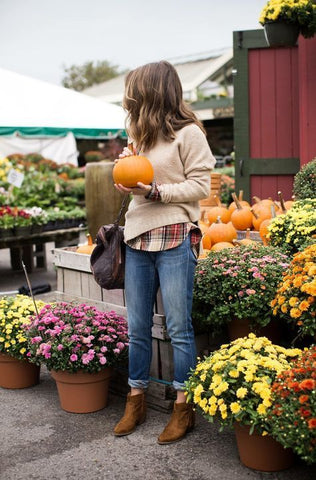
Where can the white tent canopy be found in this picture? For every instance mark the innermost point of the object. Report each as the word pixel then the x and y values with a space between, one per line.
pixel 39 109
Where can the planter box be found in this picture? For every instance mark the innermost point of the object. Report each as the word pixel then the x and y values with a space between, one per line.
pixel 75 282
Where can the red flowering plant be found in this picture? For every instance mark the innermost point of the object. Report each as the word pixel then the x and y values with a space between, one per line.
pixel 293 415
pixel 69 337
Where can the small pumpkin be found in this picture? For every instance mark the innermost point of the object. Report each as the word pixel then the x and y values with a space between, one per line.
pixel 218 211
pixel 221 232
pixel 241 217
pixel 221 246
pixel 128 171
pixel 242 202
pixel 87 248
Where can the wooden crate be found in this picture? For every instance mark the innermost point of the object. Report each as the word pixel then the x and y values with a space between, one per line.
pixel 75 283
pixel 215 190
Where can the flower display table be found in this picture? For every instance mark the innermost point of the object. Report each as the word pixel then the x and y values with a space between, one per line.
pixel 22 246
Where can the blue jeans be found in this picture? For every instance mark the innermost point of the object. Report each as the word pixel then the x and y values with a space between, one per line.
pixel 173 271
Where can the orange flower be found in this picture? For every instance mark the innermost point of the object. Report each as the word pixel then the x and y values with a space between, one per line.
pixel 312 423
pixel 303 399
pixel 295 313
pixel 303 306
pixel 307 384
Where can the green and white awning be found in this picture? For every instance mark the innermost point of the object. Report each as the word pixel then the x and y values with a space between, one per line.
pixel 33 108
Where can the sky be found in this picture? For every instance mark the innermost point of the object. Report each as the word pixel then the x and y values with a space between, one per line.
pixel 39 38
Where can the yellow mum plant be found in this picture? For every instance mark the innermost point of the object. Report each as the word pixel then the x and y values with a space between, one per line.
pixel 296 228
pixel 233 384
pixel 14 313
pixel 299 12
pixel 295 298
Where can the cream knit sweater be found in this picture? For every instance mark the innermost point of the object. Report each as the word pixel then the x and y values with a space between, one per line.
pixel 182 169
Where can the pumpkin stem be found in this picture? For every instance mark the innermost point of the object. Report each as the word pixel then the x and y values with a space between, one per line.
pixel 256 199
pixel 217 201
pixel 273 214
pixel 218 220
pixel 283 207
pixel 238 204
pixel 90 242
pixel 241 195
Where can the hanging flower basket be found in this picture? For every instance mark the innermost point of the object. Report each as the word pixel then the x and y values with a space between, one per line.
pixel 281 34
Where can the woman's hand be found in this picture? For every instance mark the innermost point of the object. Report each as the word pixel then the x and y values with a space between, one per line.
pixel 141 189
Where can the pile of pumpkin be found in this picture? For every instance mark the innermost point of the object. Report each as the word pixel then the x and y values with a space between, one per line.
pixel 220 224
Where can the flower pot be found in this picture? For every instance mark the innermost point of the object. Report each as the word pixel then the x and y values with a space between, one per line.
pixel 261 453
pixel 82 392
pixel 16 373
pixel 240 327
pixel 281 34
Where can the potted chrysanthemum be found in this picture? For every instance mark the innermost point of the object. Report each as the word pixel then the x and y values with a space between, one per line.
pixel 233 386
pixel 284 20
pixel 15 369
pixel 79 344
pixel 294 229
pixel 295 297
pixel 293 416
pixel 234 287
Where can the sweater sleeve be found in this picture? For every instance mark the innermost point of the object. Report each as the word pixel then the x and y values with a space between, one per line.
pixel 198 161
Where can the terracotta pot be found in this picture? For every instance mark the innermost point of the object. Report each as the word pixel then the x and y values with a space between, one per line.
pixel 240 327
pixel 17 373
pixel 261 453
pixel 281 34
pixel 82 392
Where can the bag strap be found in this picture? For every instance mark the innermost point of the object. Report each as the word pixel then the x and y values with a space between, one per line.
pixel 123 204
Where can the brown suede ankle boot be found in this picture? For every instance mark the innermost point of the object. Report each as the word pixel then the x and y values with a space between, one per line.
pixel 135 414
pixel 182 421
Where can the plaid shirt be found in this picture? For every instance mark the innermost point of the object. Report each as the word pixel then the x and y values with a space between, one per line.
pixel 168 236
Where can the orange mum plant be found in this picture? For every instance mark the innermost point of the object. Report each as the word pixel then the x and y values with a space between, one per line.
pixel 293 414
pixel 295 298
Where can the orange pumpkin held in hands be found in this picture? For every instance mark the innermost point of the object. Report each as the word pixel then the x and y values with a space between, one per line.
pixel 132 169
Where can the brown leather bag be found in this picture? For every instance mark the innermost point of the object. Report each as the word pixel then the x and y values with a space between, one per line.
pixel 107 260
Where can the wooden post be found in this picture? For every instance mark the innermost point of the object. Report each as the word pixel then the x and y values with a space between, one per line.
pixel 103 201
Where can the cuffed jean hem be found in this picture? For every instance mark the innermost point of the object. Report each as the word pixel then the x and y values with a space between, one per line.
pixel 178 385
pixel 143 384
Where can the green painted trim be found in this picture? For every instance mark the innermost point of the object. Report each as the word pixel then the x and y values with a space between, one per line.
pixel 241 109
pixel 80 133
pixel 251 39
pixel 270 166
pixel 212 103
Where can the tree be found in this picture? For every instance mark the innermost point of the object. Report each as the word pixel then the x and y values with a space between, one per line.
pixel 79 77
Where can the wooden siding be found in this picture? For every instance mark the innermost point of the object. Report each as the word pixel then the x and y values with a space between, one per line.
pixel 265 186
pixel 307 92
pixel 273 103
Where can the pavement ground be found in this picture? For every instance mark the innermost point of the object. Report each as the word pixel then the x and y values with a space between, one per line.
pixel 40 441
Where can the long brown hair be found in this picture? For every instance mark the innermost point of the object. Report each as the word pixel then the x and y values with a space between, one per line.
pixel 154 102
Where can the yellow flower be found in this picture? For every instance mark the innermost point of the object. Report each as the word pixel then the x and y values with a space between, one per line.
pixel 293 301
pixel 234 373
pixel 235 407
pixel 261 409
pixel 241 392
pixel 212 410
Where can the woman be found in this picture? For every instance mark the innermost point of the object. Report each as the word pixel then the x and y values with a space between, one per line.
pixel 161 234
